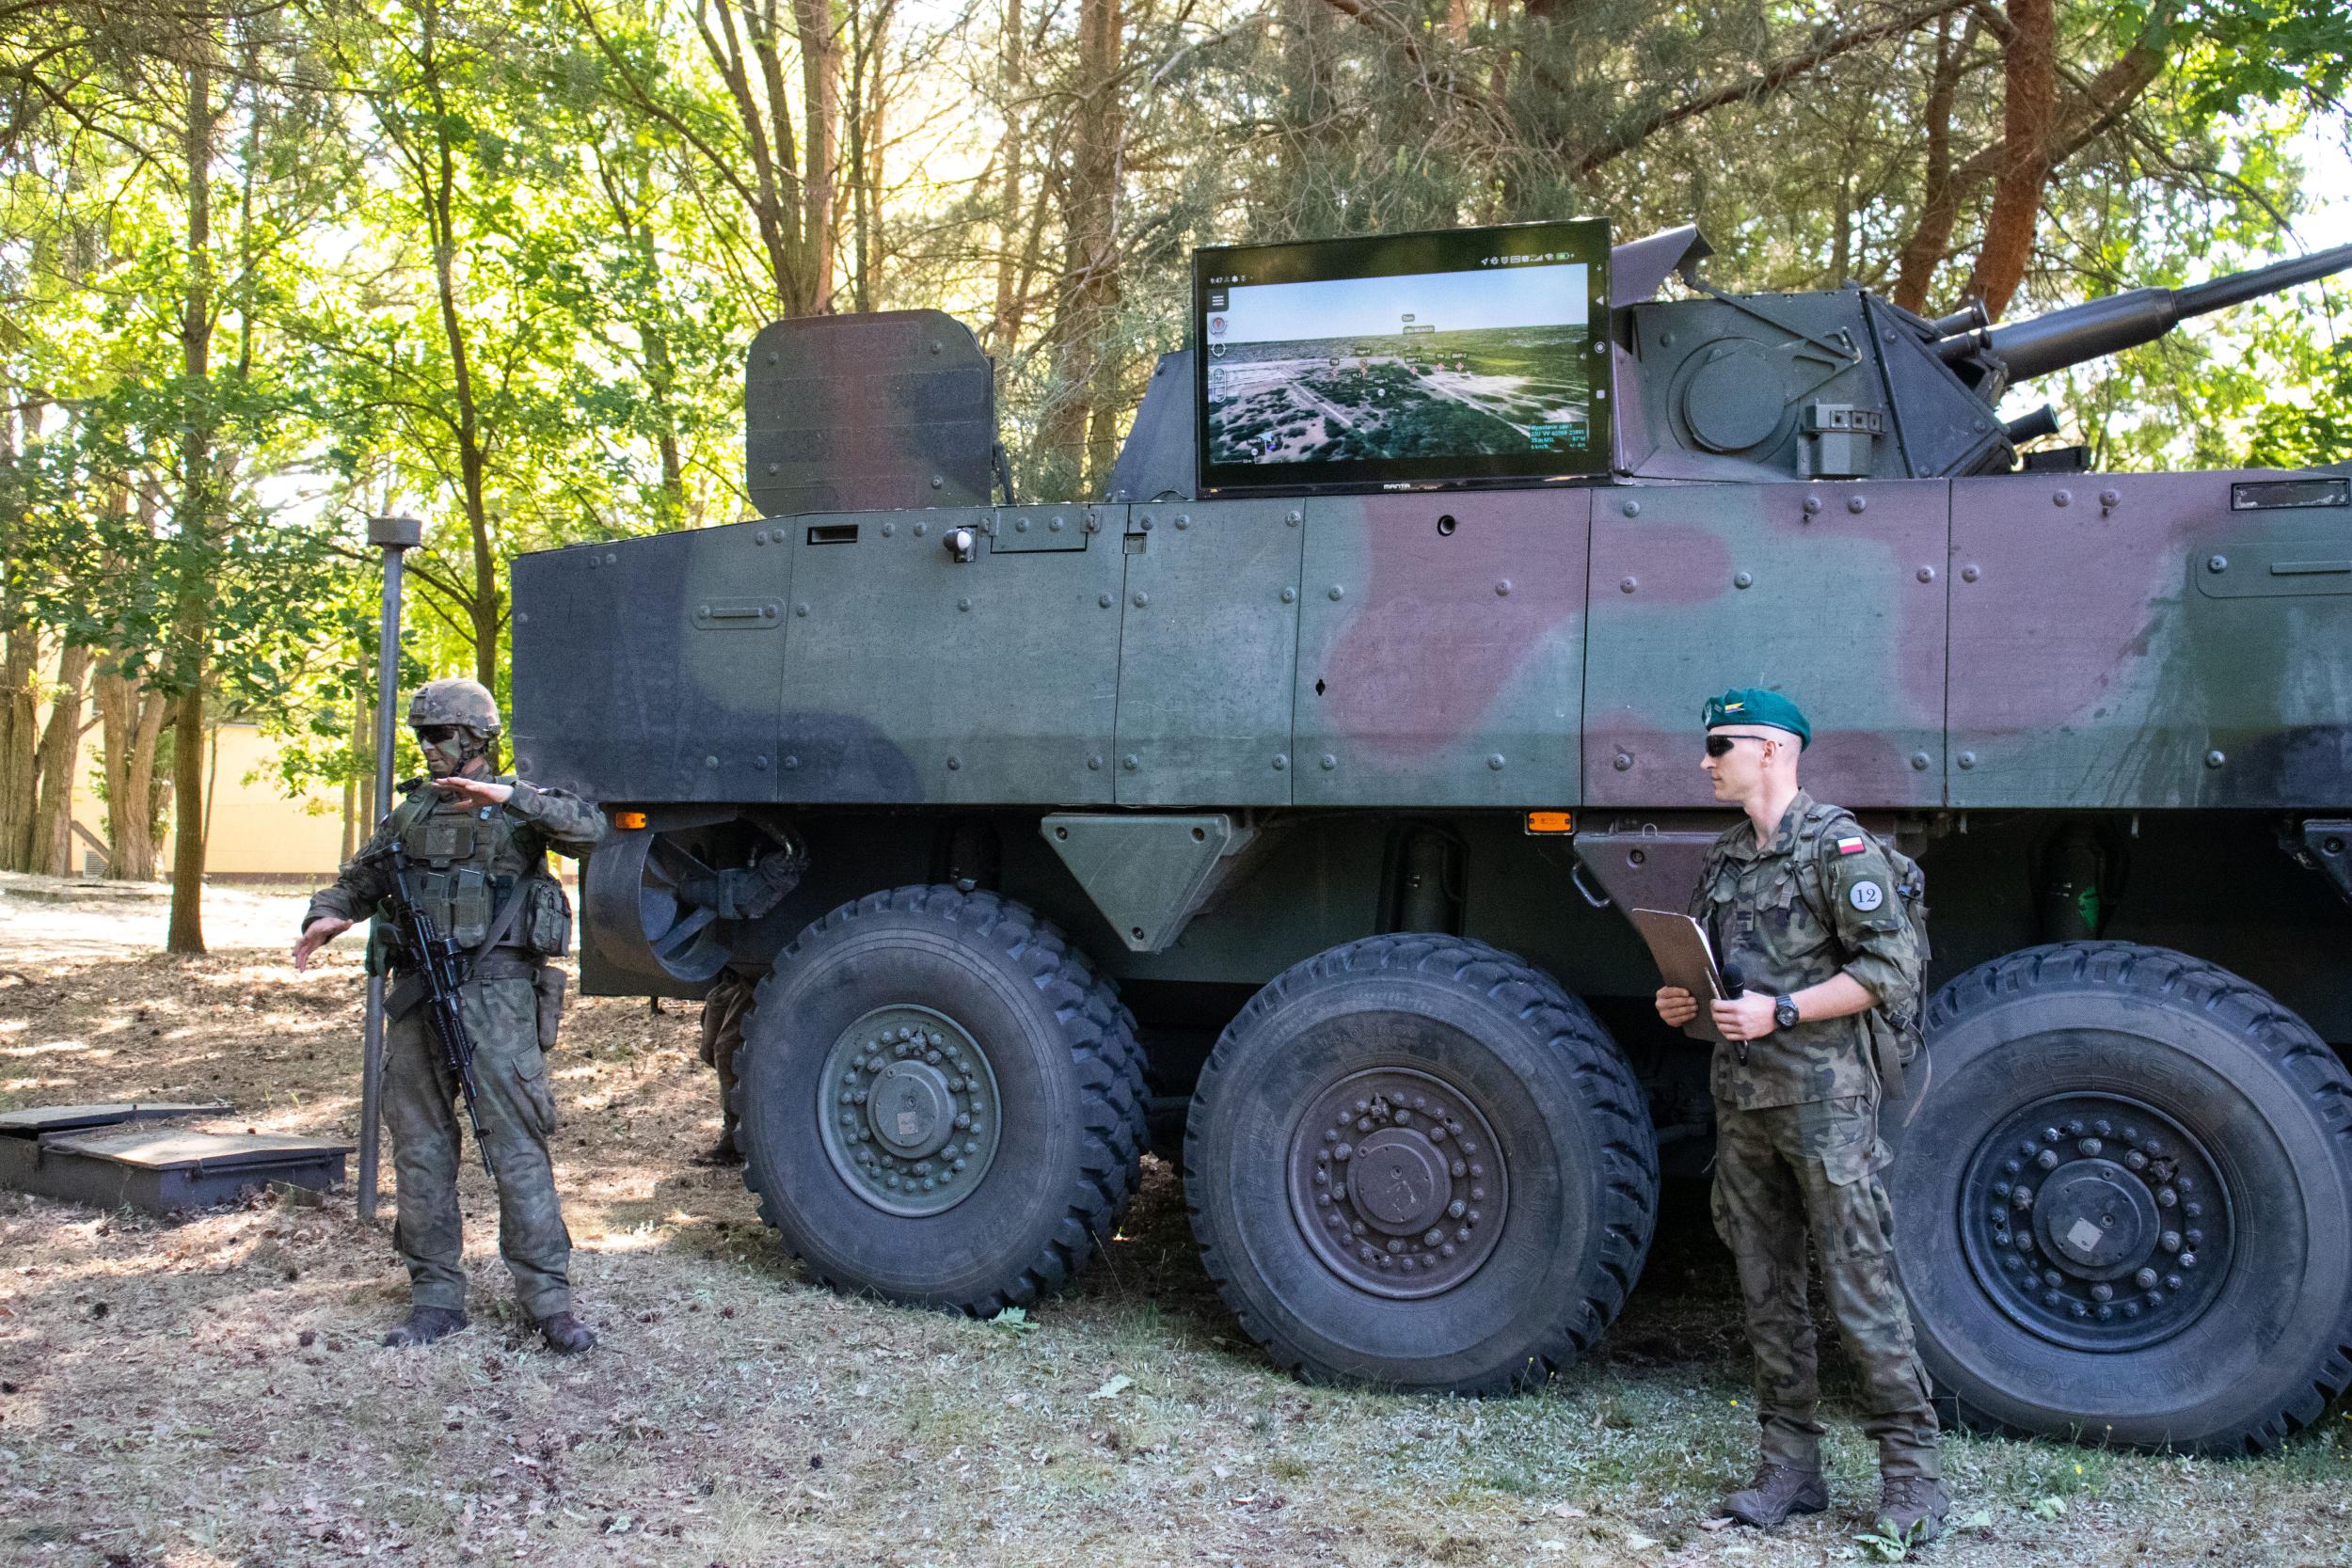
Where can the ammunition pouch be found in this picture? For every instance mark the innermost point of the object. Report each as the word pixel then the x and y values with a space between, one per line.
pixel 549 983
pixel 459 902
pixel 547 919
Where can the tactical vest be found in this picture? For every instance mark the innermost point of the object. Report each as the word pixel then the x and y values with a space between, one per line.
pixel 464 861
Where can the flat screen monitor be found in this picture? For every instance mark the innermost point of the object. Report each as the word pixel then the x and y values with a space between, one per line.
pixel 1404 361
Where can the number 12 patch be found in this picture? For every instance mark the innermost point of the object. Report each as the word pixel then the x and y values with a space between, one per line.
pixel 1867 896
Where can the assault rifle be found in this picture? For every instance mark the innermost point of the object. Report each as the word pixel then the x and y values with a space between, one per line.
pixel 436 958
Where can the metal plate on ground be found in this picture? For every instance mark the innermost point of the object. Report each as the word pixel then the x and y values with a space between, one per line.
pixel 33 1121
pixel 162 1168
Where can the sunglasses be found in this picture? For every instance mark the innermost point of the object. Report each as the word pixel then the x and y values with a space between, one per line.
pixel 1720 745
pixel 436 735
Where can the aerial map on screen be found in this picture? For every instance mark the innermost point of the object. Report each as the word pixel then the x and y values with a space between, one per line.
pixel 1492 360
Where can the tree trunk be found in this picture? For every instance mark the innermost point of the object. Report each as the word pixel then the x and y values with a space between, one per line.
pixel 132 719
pixel 191 622
pixel 820 139
pixel 2028 112
pixel 20 745
pixel 1012 87
pixel 1074 438
pixel 1939 208
pixel 52 835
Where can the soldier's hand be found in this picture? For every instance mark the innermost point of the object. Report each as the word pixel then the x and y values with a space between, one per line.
pixel 1676 1006
pixel 480 791
pixel 1744 1018
pixel 317 934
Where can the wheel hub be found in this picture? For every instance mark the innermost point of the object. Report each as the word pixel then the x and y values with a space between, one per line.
pixel 908 1103
pixel 2096 1221
pixel 1397 1183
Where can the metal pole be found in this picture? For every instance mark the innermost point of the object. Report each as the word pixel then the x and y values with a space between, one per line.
pixel 393 536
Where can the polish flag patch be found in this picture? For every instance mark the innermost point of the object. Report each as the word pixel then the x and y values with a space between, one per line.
pixel 1853 846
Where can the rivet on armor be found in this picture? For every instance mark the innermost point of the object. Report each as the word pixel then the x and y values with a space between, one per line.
pixel 1130 762
pixel 1919 761
pixel 710 762
pixel 955 764
pixel 1970 574
pixel 760 538
pixel 1338 593
pixel 1744 579
pixel 2063 498
pixel 2109 499
pixel 1103 600
pixel 1053 525
pixel 1967 759
pixel 1812 506
pixel 792 762
pixel 1623 761
pixel 966 604
pixel 1857 503
pixel 1094 763
pixel 1182 521
pixel 1502 589
pixel 1142 598
pixel 1281 762
pixel 801 609
pixel 1628 585
pixel 2215 759
pixel 1329 762
pixel 1021 525
pixel 1289 596
pixel 889 528
pixel 937 482
pixel 1293 517
pixel 1927 574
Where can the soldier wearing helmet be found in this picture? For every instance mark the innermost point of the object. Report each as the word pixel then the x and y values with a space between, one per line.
pixel 477 844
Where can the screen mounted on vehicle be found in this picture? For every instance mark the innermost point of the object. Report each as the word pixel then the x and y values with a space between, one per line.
pixel 1461 356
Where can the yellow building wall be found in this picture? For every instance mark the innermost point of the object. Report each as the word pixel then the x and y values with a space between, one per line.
pixel 256 832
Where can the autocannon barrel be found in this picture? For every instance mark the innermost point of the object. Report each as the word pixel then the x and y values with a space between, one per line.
pixel 2122 321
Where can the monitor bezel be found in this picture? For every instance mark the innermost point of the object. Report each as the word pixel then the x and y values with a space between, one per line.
pixel 1586 239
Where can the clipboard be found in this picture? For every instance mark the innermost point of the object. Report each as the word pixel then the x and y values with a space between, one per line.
pixel 1686 959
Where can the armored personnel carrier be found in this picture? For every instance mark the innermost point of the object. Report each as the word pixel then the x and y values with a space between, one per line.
pixel 1298 784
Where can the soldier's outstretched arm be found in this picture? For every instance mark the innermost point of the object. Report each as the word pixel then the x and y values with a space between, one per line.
pixel 357 889
pixel 568 823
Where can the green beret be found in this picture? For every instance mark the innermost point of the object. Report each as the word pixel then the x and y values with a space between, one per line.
pixel 1755 706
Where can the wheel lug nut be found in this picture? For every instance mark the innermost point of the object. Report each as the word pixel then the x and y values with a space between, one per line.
pixel 2104 1314
pixel 2131 1310
pixel 2049 1135
pixel 2136 1160
pixel 2074 1308
pixel 2131 1134
pixel 2074 1129
pixel 2090 1147
pixel 2193 1235
pixel 1436 1135
pixel 2011 1166
pixel 2102 1128
pixel 2186 1184
pixel 1433 1238
pixel 2047 1159
pixel 2022 1198
pixel 2052 1277
pixel 2103 1292
pixel 2002 1187
pixel 2172 1282
pixel 1458 1168
pixel 2187 1259
pixel 2194 1210
pixel 2154 1148
pixel 1346 1152
pixel 2145 1280
pixel 1457 1209
pixel 2169 1241
pixel 2049 1298
pixel 2167 1198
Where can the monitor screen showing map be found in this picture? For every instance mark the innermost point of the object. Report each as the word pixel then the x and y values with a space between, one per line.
pixel 1404 360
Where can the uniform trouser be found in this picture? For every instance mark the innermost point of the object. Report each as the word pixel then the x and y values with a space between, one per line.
pixel 1779 1173
pixel 422 1106
pixel 725 1010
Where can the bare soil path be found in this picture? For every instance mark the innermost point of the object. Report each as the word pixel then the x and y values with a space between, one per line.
pixel 210 1392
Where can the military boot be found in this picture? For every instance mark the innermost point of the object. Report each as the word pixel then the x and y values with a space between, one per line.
pixel 565 1334
pixel 1911 1508
pixel 1778 1490
pixel 426 1324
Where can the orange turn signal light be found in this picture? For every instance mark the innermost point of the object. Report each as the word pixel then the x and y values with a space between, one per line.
pixel 1552 821
pixel 629 821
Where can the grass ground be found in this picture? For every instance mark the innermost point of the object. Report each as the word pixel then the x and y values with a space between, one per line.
pixel 209 1391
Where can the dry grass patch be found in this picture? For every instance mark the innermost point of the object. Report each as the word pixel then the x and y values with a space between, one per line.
pixel 211 1392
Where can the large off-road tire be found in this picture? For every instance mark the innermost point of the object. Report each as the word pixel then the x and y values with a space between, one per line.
pixel 942 1101
pixel 1416 1162
pixel 2172 1149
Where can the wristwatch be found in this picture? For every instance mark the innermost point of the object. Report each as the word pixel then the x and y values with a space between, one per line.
pixel 1785 1012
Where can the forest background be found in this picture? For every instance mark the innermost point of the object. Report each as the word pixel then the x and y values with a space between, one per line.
pixel 270 266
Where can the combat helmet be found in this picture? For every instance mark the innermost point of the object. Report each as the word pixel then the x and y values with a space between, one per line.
pixel 454 700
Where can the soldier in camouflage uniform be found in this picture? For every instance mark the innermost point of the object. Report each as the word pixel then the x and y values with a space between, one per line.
pixel 1805 904
pixel 725 1010
pixel 476 842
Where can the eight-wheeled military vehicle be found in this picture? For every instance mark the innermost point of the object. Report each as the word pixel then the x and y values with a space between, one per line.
pixel 1321 812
